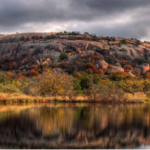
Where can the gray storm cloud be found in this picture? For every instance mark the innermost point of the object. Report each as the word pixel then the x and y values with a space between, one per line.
pixel 128 18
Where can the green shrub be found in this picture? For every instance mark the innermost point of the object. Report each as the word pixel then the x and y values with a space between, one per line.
pixel 31 46
pixel 140 61
pixel 116 76
pixel 77 86
pixel 86 33
pixel 96 79
pixel 63 56
pixel 107 93
pixel 109 59
pixel 123 50
pixel 3 79
pixel 51 37
pixel 123 41
pixel 138 43
pixel 31 89
pixel 86 82
pixel 8 89
pixel 41 37
pixel 74 33
pixel 112 92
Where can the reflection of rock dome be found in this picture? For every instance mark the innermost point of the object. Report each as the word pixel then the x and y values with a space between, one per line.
pixel 98 126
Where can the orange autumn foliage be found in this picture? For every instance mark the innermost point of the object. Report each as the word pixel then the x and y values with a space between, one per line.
pixel 32 72
pixel 90 71
pixel 148 75
pixel 128 67
pixel 110 66
pixel 21 77
pixel 101 72
pixel 125 74
pixel 124 62
pixel 10 75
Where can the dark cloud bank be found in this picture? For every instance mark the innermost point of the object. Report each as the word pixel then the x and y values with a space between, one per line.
pixel 126 18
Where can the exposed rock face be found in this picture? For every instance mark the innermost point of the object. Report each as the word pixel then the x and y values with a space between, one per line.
pixel 115 68
pixel 103 64
pixel 78 47
pixel 143 68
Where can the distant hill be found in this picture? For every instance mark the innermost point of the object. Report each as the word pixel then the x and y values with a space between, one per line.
pixel 71 51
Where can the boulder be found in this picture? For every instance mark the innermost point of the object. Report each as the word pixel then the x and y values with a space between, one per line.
pixel 79 51
pixel 55 55
pixel 118 64
pixel 103 64
pixel 131 74
pixel 143 68
pixel 37 62
pixel 115 68
pixel 21 68
pixel 47 62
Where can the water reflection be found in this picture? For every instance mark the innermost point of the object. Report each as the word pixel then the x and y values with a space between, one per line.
pixel 75 126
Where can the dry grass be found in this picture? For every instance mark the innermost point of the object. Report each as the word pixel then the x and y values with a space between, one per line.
pixel 20 96
pixel 138 97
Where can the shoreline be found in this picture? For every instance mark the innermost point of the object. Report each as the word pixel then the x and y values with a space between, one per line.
pixel 19 98
pixel 29 101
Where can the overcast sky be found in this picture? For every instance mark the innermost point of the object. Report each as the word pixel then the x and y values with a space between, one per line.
pixel 119 18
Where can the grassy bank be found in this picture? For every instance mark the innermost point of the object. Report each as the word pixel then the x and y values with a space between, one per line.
pixel 22 98
pixel 55 86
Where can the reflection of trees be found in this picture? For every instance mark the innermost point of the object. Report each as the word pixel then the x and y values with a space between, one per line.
pixel 100 126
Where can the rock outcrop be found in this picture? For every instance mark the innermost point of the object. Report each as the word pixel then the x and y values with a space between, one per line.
pixel 115 69
pixel 77 47
pixel 103 64
pixel 143 68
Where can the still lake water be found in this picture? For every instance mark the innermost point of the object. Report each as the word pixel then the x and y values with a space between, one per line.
pixel 75 126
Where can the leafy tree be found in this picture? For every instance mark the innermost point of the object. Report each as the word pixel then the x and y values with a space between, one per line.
pixel 22 38
pixel 131 86
pixel 77 86
pixel 75 33
pixel 128 67
pixel 86 33
pixel 86 82
pixel 28 39
pixel 108 38
pixel 51 83
pixel 51 37
pixel 123 41
pixel 138 42
pixel 116 75
pixel 65 32
pixel 41 37
pixel 96 79
pixel 124 62
pixel 35 37
pixel 137 72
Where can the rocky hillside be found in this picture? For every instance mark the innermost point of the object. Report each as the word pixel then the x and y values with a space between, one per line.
pixel 71 51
